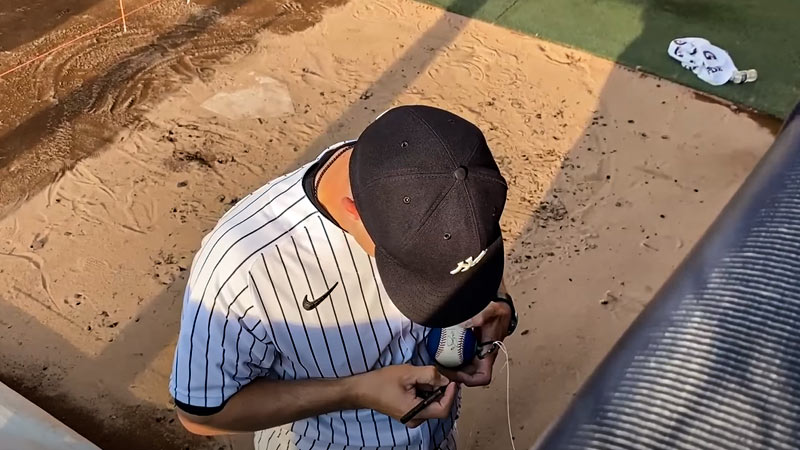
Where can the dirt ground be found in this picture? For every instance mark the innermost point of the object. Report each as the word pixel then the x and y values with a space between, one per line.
pixel 73 102
pixel 613 177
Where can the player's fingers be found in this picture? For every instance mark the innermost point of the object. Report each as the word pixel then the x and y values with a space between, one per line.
pixel 488 314
pixel 469 374
pixel 480 375
pixel 449 396
pixel 440 408
pixel 477 379
pixel 458 376
pixel 451 375
pixel 479 319
pixel 428 375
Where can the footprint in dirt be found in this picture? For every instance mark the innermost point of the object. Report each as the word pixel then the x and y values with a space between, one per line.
pixel 167 268
pixel 191 150
pixel 185 210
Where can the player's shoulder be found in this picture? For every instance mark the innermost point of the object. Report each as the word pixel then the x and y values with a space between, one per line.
pixel 243 235
pixel 248 234
pixel 269 200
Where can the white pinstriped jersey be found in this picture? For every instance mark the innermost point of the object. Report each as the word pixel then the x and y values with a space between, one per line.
pixel 243 319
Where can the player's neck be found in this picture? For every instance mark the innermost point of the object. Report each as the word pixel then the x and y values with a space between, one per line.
pixel 334 184
pixel 334 180
pixel 333 191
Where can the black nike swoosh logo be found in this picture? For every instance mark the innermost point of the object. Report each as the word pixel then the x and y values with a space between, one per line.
pixel 308 306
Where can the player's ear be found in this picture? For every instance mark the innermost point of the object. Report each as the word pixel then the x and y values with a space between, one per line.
pixel 349 206
pixel 355 226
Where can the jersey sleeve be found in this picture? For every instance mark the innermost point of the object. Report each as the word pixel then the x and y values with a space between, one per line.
pixel 221 347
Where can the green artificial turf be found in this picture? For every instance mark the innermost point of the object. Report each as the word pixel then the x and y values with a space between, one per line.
pixel 760 34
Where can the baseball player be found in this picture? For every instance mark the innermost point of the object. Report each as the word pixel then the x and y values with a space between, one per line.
pixel 307 307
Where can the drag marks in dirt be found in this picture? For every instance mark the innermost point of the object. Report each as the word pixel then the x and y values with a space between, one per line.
pixel 86 93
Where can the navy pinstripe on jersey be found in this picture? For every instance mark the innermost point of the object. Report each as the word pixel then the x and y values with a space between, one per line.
pixel 243 318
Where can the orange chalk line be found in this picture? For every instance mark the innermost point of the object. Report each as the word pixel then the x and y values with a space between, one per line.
pixel 72 41
pixel 122 11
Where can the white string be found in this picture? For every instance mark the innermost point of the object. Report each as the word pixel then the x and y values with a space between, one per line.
pixel 507 366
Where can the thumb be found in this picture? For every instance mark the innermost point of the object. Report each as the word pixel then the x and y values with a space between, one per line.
pixel 440 408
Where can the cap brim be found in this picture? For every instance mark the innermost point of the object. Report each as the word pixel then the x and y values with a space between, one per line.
pixel 442 300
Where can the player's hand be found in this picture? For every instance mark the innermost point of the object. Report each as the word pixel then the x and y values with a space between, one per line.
pixel 489 325
pixel 392 390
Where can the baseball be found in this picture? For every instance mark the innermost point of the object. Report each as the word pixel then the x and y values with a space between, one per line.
pixel 452 347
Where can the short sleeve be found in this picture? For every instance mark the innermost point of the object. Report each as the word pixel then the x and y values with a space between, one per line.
pixel 221 346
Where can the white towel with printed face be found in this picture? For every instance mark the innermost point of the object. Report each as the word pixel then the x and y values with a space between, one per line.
pixel 709 62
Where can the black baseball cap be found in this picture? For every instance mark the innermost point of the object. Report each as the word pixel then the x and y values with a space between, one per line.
pixel 430 196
